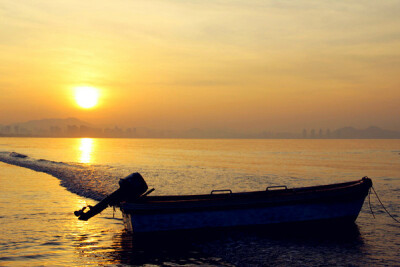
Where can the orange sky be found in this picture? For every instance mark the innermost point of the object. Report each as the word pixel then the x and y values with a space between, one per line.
pixel 244 65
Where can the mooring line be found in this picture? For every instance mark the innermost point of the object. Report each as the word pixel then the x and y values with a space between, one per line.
pixel 383 206
pixel 369 202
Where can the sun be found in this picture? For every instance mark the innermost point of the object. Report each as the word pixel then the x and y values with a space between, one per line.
pixel 86 96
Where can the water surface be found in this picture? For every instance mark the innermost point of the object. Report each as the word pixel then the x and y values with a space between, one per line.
pixel 38 227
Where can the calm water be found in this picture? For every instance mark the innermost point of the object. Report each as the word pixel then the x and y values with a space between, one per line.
pixel 38 228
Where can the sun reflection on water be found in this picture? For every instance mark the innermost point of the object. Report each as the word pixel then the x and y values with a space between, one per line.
pixel 86 149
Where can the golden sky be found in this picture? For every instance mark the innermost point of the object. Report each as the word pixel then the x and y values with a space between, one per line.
pixel 244 65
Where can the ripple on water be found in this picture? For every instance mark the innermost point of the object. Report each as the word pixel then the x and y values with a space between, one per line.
pixel 60 239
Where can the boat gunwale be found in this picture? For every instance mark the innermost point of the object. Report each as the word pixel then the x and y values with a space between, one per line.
pixel 341 192
pixel 264 193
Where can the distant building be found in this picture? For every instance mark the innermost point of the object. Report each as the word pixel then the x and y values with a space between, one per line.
pixel 72 130
pixel 304 133
pixel 312 133
pixel 328 133
pixel 55 131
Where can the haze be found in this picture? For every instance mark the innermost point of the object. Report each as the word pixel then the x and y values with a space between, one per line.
pixel 243 65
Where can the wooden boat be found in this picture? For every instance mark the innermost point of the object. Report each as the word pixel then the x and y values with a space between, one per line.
pixel 276 205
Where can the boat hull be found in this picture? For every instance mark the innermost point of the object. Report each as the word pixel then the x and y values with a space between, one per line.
pixel 315 204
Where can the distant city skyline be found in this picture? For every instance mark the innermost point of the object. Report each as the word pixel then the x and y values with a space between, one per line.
pixel 73 127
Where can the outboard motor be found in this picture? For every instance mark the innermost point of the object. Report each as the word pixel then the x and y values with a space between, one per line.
pixel 130 189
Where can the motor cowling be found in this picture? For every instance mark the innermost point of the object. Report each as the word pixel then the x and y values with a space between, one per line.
pixel 130 189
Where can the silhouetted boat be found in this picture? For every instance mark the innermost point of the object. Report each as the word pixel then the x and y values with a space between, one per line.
pixel 335 203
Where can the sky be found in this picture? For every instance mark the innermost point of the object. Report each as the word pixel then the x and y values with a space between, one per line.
pixel 241 65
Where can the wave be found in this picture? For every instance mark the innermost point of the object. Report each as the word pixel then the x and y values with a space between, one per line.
pixel 97 181
pixel 90 181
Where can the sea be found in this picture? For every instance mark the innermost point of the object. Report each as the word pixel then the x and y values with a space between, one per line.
pixel 60 175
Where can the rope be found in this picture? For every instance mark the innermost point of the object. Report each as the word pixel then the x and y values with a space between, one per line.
pixel 369 202
pixel 384 206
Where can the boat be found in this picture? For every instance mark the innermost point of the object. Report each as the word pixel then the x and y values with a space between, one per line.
pixel 334 204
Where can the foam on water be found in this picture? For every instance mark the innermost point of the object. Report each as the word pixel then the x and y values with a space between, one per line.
pixel 97 181
pixel 90 181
